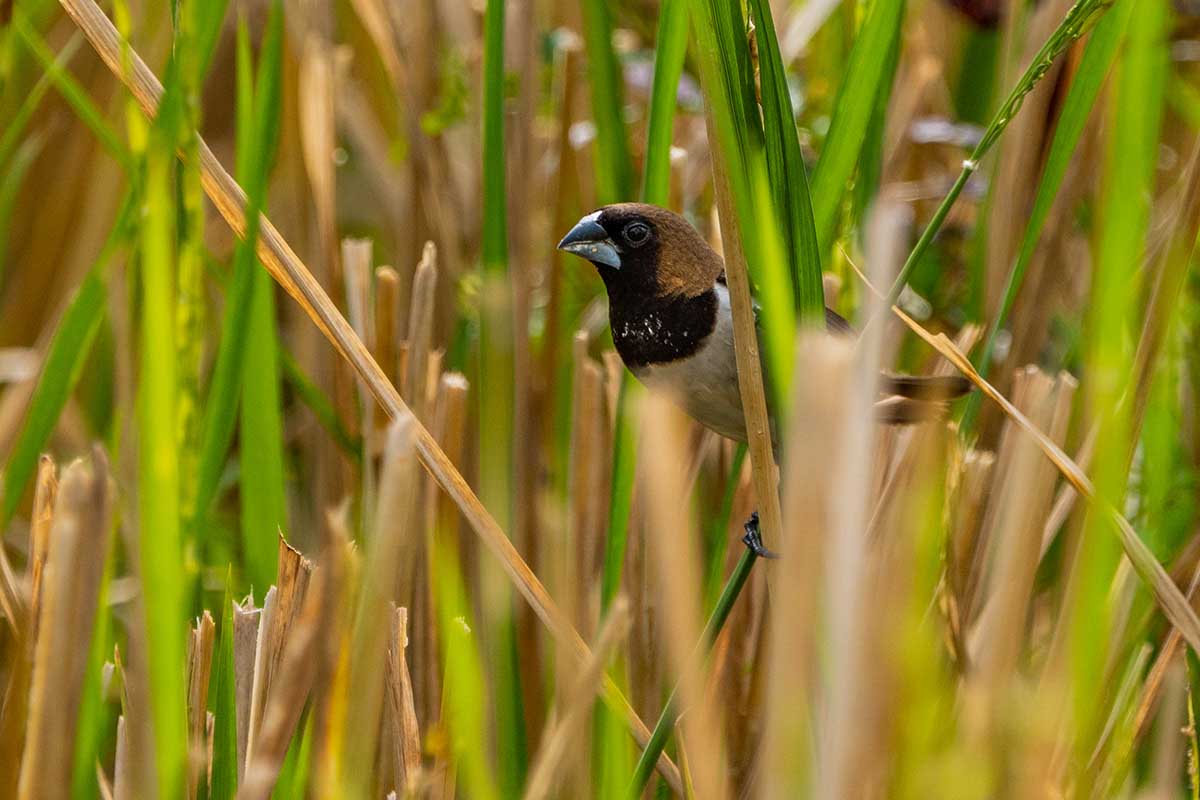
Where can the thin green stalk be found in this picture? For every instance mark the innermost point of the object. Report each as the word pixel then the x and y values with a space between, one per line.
pixel 670 713
pixel 624 470
pixel 1076 22
pixel 1123 218
pixel 261 479
pixel 162 565
pixel 496 397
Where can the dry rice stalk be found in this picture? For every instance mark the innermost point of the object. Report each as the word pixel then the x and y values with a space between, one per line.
pixel 388 565
pixel 340 568
pixel 247 620
pixel 578 704
pixel 281 609
pixel 123 778
pixel 318 138
pixel 103 785
pixel 818 418
pixel 750 379
pixel 387 298
pixel 12 604
pixel 71 586
pixel 357 256
pixel 402 719
pixel 420 330
pixel 261 671
pixel 44 498
pixel 291 679
pixel 289 271
pixel 675 567
pixel 200 649
pixel 589 462
pixel 25 615
pixel 846 762
pixel 1021 502
pixel 962 543
pixel 995 689
pixel 450 429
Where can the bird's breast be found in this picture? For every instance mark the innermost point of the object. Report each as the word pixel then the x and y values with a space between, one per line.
pixel 704 381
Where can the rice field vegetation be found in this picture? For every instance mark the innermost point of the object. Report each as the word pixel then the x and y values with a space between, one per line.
pixel 320 476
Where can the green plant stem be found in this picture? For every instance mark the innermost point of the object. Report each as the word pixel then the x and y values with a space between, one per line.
pixel 1077 22
pixel 666 720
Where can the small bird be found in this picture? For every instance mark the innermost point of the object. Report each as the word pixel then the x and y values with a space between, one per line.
pixel 672 323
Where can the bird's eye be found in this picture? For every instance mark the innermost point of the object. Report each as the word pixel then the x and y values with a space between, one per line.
pixel 636 233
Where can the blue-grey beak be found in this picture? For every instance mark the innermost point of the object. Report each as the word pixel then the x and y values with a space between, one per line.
pixel 589 239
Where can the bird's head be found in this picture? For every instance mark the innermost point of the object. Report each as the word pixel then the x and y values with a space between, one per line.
pixel 646 249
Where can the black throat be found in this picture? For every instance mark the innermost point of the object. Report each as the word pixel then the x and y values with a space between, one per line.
pixel 649 329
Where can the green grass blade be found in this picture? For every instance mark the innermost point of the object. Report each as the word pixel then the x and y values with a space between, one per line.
pixel 789 176
pixel 614 177
pixel 158 472
pixel 264 504
pixel 624 471
pixel 866 75
pixel 669 53
pixel 464 686
pixel 497 339
pixel 208 19
pixel 225 385
pixel 68 351
pixel 1123 218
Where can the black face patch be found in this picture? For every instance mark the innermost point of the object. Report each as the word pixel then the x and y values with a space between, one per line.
pixel 648 329
pixel 637 240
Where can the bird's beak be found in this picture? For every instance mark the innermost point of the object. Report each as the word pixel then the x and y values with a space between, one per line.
pixel 589 239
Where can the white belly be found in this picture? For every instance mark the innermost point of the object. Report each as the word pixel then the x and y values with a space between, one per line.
pixel 705 385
